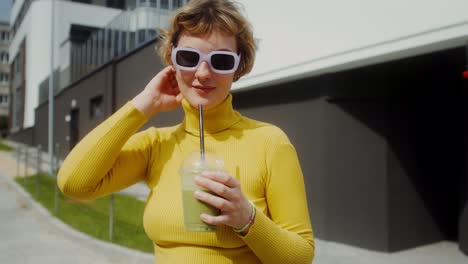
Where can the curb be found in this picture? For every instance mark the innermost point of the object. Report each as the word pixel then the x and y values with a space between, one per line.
pixel 140 257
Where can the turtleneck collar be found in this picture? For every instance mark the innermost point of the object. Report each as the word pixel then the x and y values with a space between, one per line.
pixel 216 119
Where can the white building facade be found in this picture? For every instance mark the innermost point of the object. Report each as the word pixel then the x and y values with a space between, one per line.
pixel 306 38
pixel 30 52
pixel 98 25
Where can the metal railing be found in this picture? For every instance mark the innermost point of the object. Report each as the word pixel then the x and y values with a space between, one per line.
pixel 126 32
pixel 33 158
pixel 31 161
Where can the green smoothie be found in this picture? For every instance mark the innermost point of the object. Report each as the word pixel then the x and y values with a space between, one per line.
pixel 193 208
pixel 191 167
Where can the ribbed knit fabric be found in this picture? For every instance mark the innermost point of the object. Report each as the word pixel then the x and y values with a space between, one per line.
pixel 259 155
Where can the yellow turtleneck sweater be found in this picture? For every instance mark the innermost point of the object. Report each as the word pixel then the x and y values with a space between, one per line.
pixel 259 155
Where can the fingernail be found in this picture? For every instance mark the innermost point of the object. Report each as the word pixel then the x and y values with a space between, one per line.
pixel 198 179
pixel 203 217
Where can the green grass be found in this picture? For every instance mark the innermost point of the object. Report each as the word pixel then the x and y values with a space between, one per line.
pixel 92 218
pixel 4 147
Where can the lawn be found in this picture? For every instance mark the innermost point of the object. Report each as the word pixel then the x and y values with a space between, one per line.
pixel 4 147
pixel 92 218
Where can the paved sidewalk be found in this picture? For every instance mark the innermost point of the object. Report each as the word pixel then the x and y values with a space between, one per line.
pixel 438 253
pixel 8 164
pixel 30 235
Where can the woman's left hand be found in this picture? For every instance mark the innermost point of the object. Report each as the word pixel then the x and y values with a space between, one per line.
pixel 229 199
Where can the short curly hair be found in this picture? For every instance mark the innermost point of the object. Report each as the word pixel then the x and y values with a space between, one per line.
pixel 199 17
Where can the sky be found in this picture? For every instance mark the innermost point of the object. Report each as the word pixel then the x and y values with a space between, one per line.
pixel 5 7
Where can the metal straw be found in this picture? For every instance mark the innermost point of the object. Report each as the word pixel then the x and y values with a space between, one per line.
pixel 202 134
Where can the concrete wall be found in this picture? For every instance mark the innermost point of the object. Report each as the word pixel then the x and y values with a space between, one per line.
pixel 76 97
pixel 343 159
pixel 25 136
pixel 133 73
pixel 380 149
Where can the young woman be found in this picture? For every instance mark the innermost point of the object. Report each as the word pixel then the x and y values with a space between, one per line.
pixel 261 195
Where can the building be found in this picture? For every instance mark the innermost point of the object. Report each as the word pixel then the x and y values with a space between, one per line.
pixel 30 52
pixel 75 22
pixel 30 55
pixel 372 95
pixel 4 77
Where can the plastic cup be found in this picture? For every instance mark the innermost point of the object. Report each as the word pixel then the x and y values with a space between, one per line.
pixel 191 167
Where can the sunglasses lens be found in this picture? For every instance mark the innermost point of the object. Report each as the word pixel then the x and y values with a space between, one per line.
pixel 187 58
pixel 222 62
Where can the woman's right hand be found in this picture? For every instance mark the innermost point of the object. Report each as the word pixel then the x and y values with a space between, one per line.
pixel 160 94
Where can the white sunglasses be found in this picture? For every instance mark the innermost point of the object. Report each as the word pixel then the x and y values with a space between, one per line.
pixel 220 61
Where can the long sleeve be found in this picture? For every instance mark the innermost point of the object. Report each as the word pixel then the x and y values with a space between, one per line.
pixel 285 236
pixel 109 158
pixel 112 157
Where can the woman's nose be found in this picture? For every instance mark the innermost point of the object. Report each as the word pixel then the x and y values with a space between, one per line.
pixel 203 71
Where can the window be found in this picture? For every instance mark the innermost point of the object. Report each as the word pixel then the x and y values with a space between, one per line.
pixel 4 99
pixel 82 1
pixel 4 57
pixel 115 3
pixel 4 77
pixel 5 36
pixel 95 107
pixel 177 3
pixel 164 4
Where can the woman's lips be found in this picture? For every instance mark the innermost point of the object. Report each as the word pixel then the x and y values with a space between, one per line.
pixel 203 90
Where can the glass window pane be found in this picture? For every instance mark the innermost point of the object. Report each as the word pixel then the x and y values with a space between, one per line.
pixel 164 4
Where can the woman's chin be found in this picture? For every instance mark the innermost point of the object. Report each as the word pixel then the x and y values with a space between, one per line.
pixel 196 101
